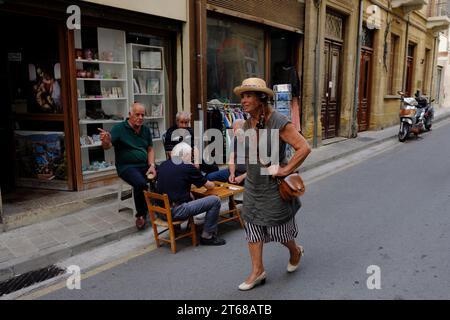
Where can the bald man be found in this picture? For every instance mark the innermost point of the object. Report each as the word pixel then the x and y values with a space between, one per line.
pixel 135 157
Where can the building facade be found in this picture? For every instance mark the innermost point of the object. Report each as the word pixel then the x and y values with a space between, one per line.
pixel 60 83
pixel 396 51
pixel 345 61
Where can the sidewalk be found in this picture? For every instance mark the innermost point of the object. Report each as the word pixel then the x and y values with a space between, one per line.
pixel 94 220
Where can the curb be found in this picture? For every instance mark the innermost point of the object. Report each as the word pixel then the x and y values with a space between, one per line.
pixel 47 257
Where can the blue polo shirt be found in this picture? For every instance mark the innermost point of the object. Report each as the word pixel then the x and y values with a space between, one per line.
pixel 176 180
pixel 131 148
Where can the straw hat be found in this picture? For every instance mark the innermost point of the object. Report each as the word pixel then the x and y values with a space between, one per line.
pixel 253 84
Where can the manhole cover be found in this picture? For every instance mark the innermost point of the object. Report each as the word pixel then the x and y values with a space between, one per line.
pixel 28 279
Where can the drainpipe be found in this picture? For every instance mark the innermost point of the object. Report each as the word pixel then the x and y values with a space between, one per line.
pixel 357 72
pixel 432 68
pixel 317 98
pixel 406 56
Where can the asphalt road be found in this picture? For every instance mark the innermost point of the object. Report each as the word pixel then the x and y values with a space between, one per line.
pixel 392 211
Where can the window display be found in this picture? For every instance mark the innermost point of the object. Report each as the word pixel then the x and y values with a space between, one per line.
pixel 41 155
pixel 147 76
pixel 235 52
pixel 102 93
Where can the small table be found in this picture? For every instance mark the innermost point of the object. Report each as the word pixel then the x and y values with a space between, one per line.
pixel 223 190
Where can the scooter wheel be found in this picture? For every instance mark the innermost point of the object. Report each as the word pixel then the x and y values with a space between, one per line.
pixel 403 133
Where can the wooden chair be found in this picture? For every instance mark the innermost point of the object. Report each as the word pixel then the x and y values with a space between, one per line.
pixel 150 198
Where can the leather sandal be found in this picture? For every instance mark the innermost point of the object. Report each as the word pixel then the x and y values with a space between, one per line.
pixel 260 280
pixel 291 267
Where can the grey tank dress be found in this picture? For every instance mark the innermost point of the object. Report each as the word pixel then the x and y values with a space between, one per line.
pixel 262 203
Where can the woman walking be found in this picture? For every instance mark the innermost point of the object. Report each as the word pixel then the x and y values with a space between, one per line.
pixel 266 215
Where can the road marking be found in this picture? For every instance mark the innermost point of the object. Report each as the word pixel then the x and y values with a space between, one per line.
pixel 45 291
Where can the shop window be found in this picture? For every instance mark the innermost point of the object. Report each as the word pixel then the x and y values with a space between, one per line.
pixel 32 94
pixel 235 51
pixel 116 68
pixel 438 84
pixel 392 60
pixel 426 75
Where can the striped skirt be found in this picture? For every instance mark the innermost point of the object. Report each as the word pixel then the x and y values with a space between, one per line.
pixel 281 233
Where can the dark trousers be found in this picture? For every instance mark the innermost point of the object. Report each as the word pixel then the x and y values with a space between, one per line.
pixel 137 179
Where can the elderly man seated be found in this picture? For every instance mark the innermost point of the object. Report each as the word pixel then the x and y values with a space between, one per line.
pixel 175 177
pixel 173 136
pixel 135 157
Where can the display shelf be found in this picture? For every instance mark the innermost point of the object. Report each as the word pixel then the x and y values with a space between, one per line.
pixel 88 121
pixel 101 99
pixel 107 95
pixel 94 145
pixel 103 170
pixel 148 94
pixel 147 86
pixel 146 70
pixel 97 79
pixel 100 61
pixel 153 118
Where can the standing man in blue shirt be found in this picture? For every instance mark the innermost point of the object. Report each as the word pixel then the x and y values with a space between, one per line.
pixel 135 157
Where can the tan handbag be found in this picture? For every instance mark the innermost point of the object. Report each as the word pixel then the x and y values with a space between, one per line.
pixel 291 186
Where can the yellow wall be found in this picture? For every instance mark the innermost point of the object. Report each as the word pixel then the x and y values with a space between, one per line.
pixel 174 9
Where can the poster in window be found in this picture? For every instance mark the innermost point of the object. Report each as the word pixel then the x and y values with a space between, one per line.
pixel 150 59
pixel 41 155
pixel 45 93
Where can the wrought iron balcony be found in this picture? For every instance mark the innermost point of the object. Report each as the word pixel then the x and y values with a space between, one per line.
pixel 409 5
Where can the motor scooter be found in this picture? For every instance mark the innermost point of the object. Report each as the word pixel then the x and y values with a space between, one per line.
pixel 416 115
pixel 427 109
pixel 411 117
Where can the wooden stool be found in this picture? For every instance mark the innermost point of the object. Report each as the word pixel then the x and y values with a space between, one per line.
pixel 121 200
pixel 150 198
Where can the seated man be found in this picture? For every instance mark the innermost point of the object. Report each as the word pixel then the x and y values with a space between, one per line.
pixel 236 171
pixel 135 157
pixel 175 177
pixel 183 121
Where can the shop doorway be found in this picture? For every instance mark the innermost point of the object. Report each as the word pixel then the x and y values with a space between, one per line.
pixel 331 91
pixel 33 100
pixel 409 68
pixel 284 52
pixel 365 77
pixel 331 81
pixel 364 90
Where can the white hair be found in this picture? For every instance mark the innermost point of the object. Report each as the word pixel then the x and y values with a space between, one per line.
pixel 183 115
pixel 182 150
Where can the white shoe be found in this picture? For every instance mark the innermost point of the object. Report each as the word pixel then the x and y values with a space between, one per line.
pixel 292 268
pixel 261 279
